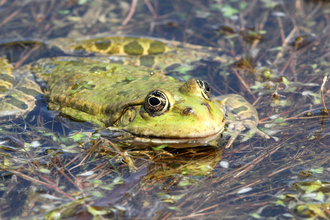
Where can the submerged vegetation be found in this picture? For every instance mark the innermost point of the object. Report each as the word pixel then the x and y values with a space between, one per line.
pixel 274 53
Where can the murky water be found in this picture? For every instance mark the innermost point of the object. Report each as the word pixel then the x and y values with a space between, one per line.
pixel 274 53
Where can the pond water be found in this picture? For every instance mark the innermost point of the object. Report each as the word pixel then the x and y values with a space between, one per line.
pixel 274 53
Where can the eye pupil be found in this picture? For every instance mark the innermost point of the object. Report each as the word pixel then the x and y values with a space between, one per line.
pixel 154 101
pixel 207 87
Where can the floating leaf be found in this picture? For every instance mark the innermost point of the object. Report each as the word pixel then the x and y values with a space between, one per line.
pixel 320 196
pixel 129 79
pixel 280 203
pixel 63 12
pixel 96 212
pixel 82 2
pixel 229 11
pixel 160 147
pixel 314 66
pixel 97 194
pixel 77 137
pixel 184 69
pixel 276 48
pixel 309 187
pixel 44 170
pixel 317 170
pixel 256 215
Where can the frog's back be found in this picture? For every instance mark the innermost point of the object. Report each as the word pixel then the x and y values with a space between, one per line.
pixel 97 91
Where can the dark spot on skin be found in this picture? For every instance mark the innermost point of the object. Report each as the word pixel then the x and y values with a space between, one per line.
pixel 188 111
pixel 147 61
pixel 239 109
pixel 103 45
pixel 156 48
pixel 85 108
pixel 19 104
pixel 123 93
pixel 172 67
pixel 97 68
pixel 28 91
pixel 133 48
pixel 7 78
pixel 3 89
pixel 48 68
pixel 79 50
pixel 80 86
pixel 223 120
pixel 252 118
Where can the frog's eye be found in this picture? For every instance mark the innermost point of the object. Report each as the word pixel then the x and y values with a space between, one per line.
pixel 206 89
pixel 156 102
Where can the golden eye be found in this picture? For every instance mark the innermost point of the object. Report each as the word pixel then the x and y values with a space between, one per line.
pixel 156 102
pixel 206 89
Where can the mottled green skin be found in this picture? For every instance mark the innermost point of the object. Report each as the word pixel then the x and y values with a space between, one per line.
pixel 100 93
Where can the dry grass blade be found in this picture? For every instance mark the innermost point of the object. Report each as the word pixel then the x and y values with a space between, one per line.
pixel 52 186
pixel 131 12
pixel 322 96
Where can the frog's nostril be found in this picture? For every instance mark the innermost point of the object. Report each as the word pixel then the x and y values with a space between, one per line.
pixel 187 111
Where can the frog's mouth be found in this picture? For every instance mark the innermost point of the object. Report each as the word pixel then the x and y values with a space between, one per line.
pixel 201 140
pixel 128 136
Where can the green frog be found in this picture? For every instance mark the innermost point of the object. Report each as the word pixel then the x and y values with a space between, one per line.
pixel 130 98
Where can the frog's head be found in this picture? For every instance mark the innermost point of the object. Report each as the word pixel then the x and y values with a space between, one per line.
pixel 184 115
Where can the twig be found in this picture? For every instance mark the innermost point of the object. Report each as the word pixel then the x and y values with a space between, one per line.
pixel 322 97
pixel 79 187
pixel 19 63
pixel 29 178
pixel 280 25
pixel 243 83
pixel 131 12
pixel 151 9
pixel 87 155
pixel 10 17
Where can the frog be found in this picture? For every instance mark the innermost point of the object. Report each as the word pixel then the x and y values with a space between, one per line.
pixel 132 100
